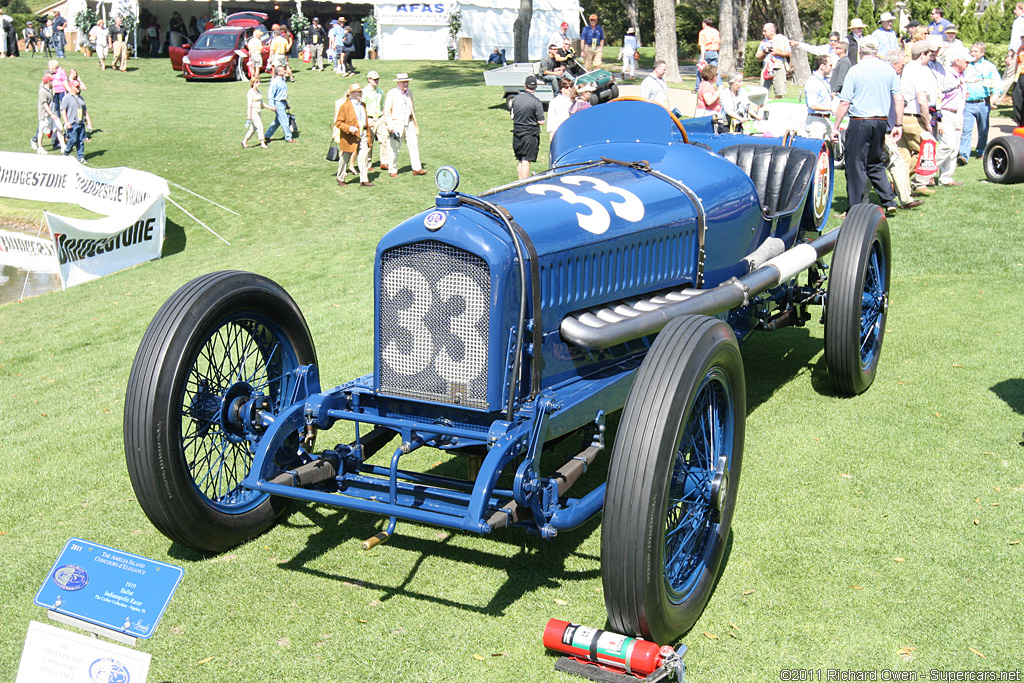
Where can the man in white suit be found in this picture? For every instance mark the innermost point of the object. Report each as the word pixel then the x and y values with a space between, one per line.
pixel 400 118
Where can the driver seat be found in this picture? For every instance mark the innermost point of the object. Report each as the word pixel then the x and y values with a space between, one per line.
pixel 782 175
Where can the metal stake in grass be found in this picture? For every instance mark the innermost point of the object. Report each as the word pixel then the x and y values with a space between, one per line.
pixel 199 221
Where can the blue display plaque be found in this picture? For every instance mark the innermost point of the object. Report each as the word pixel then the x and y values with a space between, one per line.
pixel 110 588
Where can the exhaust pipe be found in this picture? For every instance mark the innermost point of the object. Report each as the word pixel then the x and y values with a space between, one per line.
pixel 730 294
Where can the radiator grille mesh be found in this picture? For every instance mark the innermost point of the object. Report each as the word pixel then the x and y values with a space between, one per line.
pixel 435 304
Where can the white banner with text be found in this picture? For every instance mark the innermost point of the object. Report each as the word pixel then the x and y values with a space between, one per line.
pixel 88 249
pixel 84 249
pixel 414 13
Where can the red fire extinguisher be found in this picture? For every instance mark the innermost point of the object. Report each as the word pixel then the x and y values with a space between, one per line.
pixel 611 650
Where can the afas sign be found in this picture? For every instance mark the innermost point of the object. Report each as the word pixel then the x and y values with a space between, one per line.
pixel 415 14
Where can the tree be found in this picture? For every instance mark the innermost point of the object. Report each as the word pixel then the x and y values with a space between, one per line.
pixel 794 31
pixel 726 27
pixel 733 20
pixel 521 31
pixel 632 16
pixel 665 44
pixel 840 17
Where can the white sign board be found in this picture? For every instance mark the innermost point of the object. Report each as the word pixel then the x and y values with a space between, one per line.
pixel 53 655
pixel 414 13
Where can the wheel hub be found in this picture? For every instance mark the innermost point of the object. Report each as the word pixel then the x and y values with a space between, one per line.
pixel 232 413
pixel 720 488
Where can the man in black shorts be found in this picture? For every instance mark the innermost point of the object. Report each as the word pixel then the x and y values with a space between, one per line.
pixel 527 118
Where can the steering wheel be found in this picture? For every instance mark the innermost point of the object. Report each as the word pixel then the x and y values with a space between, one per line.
pixel 675 119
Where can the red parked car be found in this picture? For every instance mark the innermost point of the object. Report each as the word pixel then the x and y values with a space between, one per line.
pixel 221 53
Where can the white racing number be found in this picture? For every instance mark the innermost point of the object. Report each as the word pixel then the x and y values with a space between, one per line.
pixel 463 326
pixel 598 221
pixel 413 318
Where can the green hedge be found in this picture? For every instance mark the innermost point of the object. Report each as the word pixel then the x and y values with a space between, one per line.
pixel 751 65
pixel 21 19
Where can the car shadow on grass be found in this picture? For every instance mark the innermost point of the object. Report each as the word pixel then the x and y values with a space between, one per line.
pixel 771 360
pixel 536 564
pixel 1011 391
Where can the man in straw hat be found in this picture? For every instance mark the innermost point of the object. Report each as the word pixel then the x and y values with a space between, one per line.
pixel 949 40
pixel 853 38
pixel 884 35
pixel 354 138
pixel 400 117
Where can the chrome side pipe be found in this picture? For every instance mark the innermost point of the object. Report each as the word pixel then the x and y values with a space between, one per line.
pixel 730 294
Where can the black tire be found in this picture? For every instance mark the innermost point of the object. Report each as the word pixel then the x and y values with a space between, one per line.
pixel 1004 160
pixel 220 336
pixel 594 99
pixel 614 90
pixel 509 96
pixel 858 299
pixel 694 365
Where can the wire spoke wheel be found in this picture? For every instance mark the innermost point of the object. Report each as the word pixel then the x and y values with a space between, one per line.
pixel 857 302
pixel 672 480
pixel 223 348
pixel 698 475
pixel 240 354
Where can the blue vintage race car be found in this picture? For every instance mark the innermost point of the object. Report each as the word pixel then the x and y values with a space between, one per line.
pixel 510 325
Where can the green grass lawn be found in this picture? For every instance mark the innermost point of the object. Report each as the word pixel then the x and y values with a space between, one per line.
pixel 880 532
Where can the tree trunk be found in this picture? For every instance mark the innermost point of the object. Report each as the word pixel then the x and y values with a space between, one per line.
pixel 794 31
pixel 521 31
pixel 840 17
pixel 665 41
pixel 741 37
pixel 632 18
pixel 727 27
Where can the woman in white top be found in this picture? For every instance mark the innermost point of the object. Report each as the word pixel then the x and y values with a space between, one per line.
pixel 100 37
pixel 253 105
pixel 558 108
pixel 736 107
pixel 630 44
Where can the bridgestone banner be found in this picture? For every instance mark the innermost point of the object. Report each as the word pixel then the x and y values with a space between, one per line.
pixel 28 252
pixel 83 249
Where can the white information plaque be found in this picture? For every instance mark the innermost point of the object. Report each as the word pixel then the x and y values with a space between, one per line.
pixel 54 655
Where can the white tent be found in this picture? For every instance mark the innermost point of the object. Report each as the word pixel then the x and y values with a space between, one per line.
pixel 489 24
pixel 420 31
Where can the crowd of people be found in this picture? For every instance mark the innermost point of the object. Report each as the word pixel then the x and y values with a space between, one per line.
pixel 62 113
pixel 49 37
pixel 914 103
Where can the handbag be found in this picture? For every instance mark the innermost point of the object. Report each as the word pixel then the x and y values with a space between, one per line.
pixel 292 125
pixel 332 152
pixel 636 55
